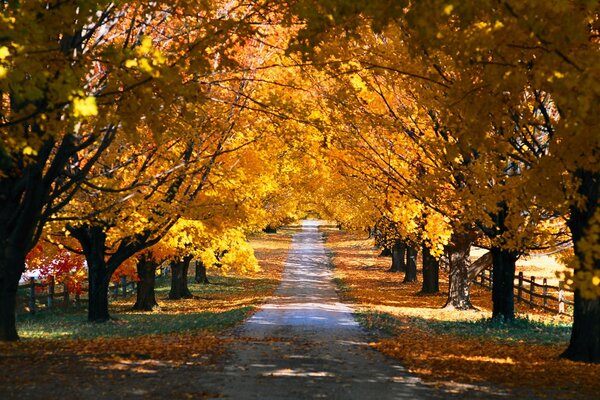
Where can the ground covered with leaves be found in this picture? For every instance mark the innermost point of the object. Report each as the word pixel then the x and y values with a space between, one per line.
pixel 457 348
pixel 154 355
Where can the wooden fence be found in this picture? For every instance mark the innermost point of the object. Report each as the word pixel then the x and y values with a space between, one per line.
pixel 35 296
pixel 528 291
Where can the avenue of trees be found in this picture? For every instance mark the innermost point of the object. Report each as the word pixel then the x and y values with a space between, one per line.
pixel 134 133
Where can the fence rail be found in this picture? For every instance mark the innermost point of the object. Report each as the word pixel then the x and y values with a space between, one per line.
pixel 35 296
pixel 528 291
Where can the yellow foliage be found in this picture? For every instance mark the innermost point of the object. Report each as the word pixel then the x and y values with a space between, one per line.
pixel 84 107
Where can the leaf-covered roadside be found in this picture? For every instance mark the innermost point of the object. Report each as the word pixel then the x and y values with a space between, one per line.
pixel 457 347
pixel 155 355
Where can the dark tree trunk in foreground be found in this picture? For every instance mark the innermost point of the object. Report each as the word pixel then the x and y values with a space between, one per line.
pixel 503 283
pixel 145 296
pixel 431 272
pixel 12 266
pixel 398 252
pixel 411 265
pixel 179 278
pixel 28 191
pixel 458 259
pixel 201 273
pixel 585 335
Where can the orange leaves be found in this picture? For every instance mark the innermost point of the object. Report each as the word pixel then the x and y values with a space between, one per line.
pixel 456 349
pixel 438 358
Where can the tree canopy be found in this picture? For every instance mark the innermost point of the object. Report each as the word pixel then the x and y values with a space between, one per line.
pixel 177 128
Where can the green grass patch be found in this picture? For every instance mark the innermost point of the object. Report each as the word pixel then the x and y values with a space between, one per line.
pixel 378 321
pixel 72 324
pixel 50 325
pixel 343 289
pixel 520 330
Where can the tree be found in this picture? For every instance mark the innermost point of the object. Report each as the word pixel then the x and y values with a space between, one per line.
pixel 48 120
pixel 146 266
pixel 493 61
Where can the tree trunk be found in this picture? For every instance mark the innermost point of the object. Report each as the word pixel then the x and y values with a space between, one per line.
pixel 386 252
pixel 12 267
pixel 458 258
pixel 98 284
pixel 146 270
pixel 585 334
pixel 270 229
pixel 201 273
pixel 179 275
pixel 431 272
pixel 398 251
pixel 93 240
pixel 503 283
pixel 411 265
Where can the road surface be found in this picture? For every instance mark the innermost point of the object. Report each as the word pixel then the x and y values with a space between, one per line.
pixel 305 344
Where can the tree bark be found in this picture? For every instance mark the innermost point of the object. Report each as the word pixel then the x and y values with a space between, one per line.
pixel 98 284
pixel 431 272
pixel 12 266
pixel 24 198
pixel 385 252
pixel 179 278
pixel 458 257
pixel 145 296
pixel 411 265
pixel 503 283
pixel 585 334
pixel 93 241
pixel 201 273
pixel 398 252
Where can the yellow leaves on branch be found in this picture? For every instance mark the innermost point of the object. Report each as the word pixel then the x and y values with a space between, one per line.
pixel 4 53
pixel 230 252
pixel 146 59
pixel 436 233
pixel 224 250
pixel 83 106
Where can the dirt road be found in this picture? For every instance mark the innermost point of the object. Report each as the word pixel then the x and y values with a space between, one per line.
pixel 305 344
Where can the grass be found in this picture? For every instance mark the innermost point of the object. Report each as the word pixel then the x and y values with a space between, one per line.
pixel 520 330
pixel 224 303
pixel 73 326
pixel 72 358
pixel 454 348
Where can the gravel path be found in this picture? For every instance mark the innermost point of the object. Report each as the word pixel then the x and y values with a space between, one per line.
pixel 305 344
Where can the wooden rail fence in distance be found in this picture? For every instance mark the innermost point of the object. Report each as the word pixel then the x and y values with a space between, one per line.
pixel 37 296
pixel 528 291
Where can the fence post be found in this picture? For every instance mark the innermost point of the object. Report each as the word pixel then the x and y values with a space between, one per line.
pixel 520 288
pixel 531 290
pixel 32 295
pixel 51 292
pixel 561 299
pixel 66 299
pixel 545 292
pixel 124 285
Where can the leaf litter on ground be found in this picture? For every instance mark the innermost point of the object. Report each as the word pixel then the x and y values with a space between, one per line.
pixel 462 347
